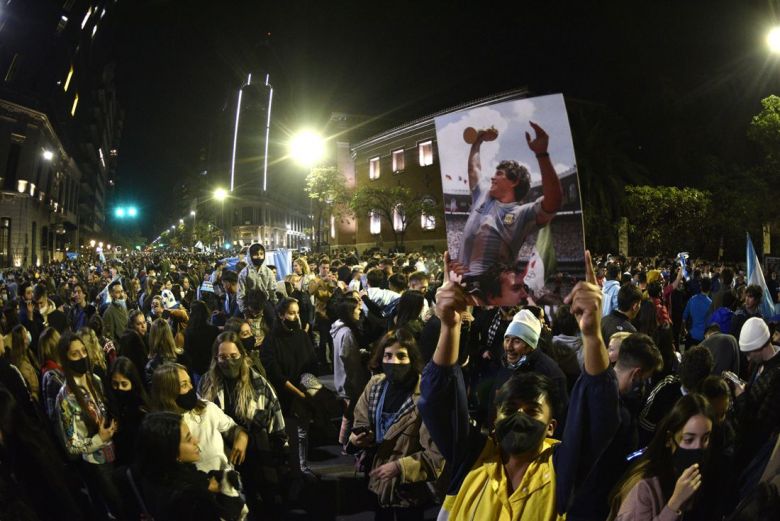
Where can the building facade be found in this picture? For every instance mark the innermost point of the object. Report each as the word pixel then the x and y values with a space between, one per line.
pixel 406 156
pixel 57 87
pixel 39 189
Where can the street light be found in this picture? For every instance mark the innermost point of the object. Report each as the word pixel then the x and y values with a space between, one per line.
pixel 48 155
pixel 773 40
pixel 192 213
pixel 181 221
pixel 307 148
pixel 132 211
pixel 119 212
pixel 220 194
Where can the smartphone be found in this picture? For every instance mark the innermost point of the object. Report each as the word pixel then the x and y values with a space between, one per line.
pixel 357 431
pixel 728 375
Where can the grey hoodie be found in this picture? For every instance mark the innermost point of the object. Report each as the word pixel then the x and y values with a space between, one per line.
pixel 252 277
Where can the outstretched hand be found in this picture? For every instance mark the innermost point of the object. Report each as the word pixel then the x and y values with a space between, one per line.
pixel 538 144
pixel 451 300
pixel 585 301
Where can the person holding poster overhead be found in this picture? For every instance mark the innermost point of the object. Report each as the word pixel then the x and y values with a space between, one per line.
pixel 498 223
pixel 519 472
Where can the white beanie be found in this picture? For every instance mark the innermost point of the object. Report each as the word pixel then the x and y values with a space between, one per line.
pixel 754 335
pixel 526 327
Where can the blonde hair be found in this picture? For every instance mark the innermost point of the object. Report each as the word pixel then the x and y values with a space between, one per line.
pixel 94 349
pixel 161 340
pixel 166 388
pixel 47 345
pixel 619 337
pixel 213 380
pixel 304 265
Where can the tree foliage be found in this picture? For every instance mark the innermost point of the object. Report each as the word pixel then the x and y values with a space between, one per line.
pixel 764 130
pixel 391 204
pixel 665 220
pixel 327 188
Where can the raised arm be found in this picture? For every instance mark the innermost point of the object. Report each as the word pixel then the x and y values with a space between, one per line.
pixel 451 300
pixel 474 163
pixel 551 186
pixel 585 301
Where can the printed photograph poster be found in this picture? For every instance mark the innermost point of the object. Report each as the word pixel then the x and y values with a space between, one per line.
pixel 512 202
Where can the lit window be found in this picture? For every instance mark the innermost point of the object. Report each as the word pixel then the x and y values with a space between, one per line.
pixel 11 72
pixel 373 168
pixel 398 218
pixel 75 104
pixel 428 222
pixel 86 18
pixel 398 160
pixel 62 24
pixel 94 30
pixel 426 153
pixel 67 80
pixel 32 189
pixel 21 186
pixel 102 159
pixel 332 226
pixel 375 226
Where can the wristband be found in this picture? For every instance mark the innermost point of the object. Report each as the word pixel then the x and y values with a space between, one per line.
pixel 542 154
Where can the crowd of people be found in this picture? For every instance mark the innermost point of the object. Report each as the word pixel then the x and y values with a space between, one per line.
pixel 174 385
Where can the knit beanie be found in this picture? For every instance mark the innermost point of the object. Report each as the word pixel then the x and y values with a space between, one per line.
pixel 754 335
pixel 526 327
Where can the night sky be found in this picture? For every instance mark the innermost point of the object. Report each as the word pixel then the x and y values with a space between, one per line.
pixel 682 75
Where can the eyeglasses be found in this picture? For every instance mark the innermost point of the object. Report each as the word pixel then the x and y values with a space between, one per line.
pixel 231 356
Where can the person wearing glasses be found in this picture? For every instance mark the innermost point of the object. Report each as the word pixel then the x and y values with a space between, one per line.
pixel 498 223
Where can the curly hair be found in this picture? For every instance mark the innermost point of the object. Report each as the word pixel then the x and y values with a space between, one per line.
pixel 514 171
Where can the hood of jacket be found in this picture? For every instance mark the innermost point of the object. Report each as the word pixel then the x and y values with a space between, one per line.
pixel 248 256
pixel 610 285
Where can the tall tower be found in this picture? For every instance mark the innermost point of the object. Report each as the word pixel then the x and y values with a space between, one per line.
pixel 249 161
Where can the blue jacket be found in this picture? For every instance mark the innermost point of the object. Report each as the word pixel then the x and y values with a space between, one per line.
pixel 610 292
pixel 698 310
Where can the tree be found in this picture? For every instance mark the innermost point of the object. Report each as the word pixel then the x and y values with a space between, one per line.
pixel 327 188
pixel 665 220
pixel 398 206
pixel 764 130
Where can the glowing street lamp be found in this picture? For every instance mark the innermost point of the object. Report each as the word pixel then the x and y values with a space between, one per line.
pixel 119 212
pixel 132 211
pixel 48 155
pixel 773 40
pixel 192 213
pixel 181 221
pixel 92 243
pixel 307 148
pixel 220 194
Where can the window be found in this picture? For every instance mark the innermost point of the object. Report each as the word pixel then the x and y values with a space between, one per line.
pixel 375 226
pixel 11 166
pixel 62 24
pixel 573 193
pixel 373 168
pixel 86 18
pixel 426 153
pixel 246 215
pixel 75 104
pixel 398 160
pixel 428 222
pixel 67 79
pixel 398 218
pixel 10 74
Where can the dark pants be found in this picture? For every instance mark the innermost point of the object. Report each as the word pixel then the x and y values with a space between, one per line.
pixel 102 489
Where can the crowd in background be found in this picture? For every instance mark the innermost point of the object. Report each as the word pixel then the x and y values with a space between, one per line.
pixel 176 385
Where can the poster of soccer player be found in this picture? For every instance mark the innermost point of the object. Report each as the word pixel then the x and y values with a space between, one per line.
pixel 512 200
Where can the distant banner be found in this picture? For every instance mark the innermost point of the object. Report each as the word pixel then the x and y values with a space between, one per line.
pixel 512 203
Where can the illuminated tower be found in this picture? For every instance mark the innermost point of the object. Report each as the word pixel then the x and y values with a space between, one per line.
pixel 249 161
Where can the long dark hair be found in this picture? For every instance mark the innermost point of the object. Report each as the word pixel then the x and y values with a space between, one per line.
pixel 125 367
pixel 199 315
pixel 70 380
pixel 345 309
pixel 157 444
pixel 213 381
pixel 657 461
pixel 410 305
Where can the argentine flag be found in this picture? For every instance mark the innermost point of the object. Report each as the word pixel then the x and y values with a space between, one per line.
pixel 756 276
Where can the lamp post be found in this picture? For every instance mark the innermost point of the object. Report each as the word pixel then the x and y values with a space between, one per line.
pixel 220 194
pixel 307 148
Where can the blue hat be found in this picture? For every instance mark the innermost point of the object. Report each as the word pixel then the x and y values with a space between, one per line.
pixel 526 327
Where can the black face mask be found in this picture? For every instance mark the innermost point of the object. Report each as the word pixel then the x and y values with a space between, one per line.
pixel 248 343
pixel 126 399
pixel 257 262
pixel 292 324
pixel 397 373
pixel 684 458
pixel 519 433
pixel 79 366
pixel 188 400
pixel 231 368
